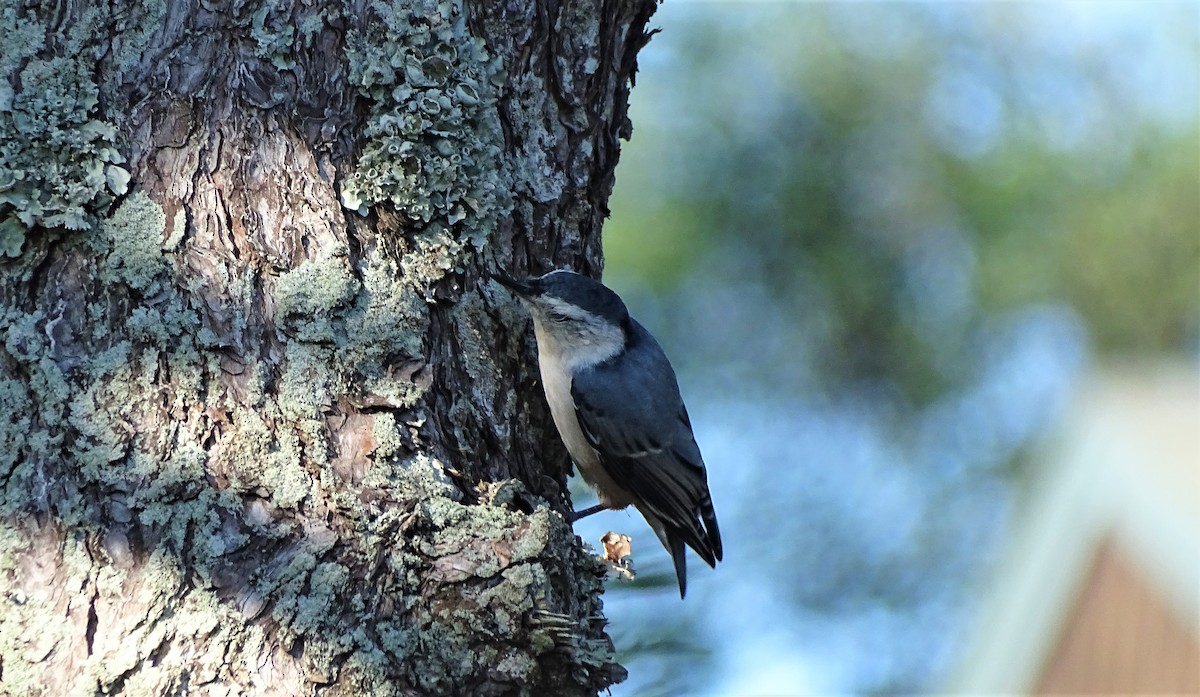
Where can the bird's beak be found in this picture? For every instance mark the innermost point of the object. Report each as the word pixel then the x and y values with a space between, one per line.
pixel 521 288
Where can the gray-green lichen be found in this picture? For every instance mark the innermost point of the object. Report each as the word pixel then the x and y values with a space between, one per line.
pixel 437 546
pixel 135 233
pixel 58 157
pixel 353 332
pixel 313 297
pixel 14 401
pixel 433 136
pixel 93 395
pixel 274 40
pixel 276 37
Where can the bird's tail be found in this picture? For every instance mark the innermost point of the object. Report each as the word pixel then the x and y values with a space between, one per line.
pixel 674 542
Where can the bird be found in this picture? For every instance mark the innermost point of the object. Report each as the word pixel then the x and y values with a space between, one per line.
pixel 615 400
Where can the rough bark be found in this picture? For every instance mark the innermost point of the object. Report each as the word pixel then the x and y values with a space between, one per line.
pixel 265 427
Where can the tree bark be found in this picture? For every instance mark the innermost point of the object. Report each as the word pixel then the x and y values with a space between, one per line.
pixel 265 426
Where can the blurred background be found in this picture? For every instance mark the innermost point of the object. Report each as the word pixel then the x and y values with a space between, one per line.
pixel 930 276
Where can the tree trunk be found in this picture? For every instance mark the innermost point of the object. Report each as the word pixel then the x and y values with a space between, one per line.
pixel 265 426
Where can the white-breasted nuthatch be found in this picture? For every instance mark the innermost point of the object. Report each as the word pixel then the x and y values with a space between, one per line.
pixel 616 403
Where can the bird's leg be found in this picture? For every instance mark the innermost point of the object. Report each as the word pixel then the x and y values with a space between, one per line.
pixel 586 512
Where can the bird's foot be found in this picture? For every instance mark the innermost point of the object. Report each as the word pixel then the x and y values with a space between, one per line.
pixel 576 515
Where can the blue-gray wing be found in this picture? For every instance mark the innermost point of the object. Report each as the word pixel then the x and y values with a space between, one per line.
pixel 631 412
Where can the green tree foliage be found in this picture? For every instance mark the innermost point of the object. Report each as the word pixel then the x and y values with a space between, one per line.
pixel 907 171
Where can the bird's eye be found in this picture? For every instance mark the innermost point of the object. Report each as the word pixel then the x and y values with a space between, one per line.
pixel 559 317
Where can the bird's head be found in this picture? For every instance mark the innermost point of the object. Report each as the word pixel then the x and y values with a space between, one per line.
pixel 577 318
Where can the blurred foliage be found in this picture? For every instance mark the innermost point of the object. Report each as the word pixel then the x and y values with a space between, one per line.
pixel 873 233
pixel 907 170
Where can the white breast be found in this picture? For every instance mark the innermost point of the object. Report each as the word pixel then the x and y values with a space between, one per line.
pixel 557 383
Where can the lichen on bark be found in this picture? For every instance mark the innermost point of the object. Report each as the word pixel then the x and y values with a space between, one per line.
pixel 60 164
